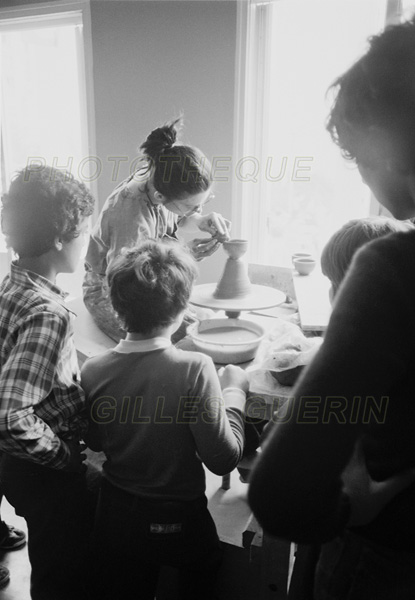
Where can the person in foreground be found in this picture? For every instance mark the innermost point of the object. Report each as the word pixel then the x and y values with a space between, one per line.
pixel 338 467
pixel 336 258
pixel 42 410
pixel 168 191
pixel 158 414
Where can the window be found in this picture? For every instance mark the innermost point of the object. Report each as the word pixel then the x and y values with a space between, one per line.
pixel 43 117
pixel 294 188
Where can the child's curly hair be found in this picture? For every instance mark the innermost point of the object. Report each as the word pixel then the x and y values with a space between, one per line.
pixel 43 204
pixel 151 284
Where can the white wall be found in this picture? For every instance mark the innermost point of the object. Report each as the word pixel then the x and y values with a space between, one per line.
pixel 152 60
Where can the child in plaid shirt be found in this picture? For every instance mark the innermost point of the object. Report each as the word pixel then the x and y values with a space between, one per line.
pixel 45 221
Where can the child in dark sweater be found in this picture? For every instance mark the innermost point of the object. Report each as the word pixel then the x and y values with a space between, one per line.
pixel 158 413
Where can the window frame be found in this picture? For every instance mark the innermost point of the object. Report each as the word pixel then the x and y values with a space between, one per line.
pixel 49 14
pixel 76 12
pixel 253 33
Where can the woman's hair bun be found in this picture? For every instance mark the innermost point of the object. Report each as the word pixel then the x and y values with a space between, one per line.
pixel 161 139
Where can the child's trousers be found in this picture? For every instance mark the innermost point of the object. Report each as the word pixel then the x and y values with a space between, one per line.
pixel 134 538
pixel 56 507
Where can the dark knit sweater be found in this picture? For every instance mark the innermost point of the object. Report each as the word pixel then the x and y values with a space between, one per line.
pixel 361 385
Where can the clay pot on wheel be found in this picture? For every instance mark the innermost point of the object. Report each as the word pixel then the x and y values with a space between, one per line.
pixel 234 282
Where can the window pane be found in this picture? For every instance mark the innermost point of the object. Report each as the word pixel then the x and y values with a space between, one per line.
pixel 41 109
pixel 41 98
pixel 309 190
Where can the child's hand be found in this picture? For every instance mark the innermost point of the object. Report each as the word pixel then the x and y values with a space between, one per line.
pixel 232 376
pixel 76 457
pixel 368 497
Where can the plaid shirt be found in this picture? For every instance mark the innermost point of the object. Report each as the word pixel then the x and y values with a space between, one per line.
pixel 41 400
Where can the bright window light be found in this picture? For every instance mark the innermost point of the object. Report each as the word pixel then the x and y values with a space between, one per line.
pixel 303 190
pixel 43 108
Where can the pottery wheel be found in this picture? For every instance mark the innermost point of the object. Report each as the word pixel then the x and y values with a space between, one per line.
pixel 259 298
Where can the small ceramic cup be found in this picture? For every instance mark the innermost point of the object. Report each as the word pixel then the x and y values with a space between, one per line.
pixel 304 266
pixel 301 255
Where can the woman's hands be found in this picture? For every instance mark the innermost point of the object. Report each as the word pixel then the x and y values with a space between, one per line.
pixel 216 225
pixel 202 248
pixel 368 497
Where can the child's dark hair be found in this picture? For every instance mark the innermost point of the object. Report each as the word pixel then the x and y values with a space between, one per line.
pixel 373 115
pixel 151 284
pixel 342 246
pixel 178 171
pixel 43 204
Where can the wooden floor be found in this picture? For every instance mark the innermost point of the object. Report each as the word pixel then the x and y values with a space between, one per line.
pixel 238 578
